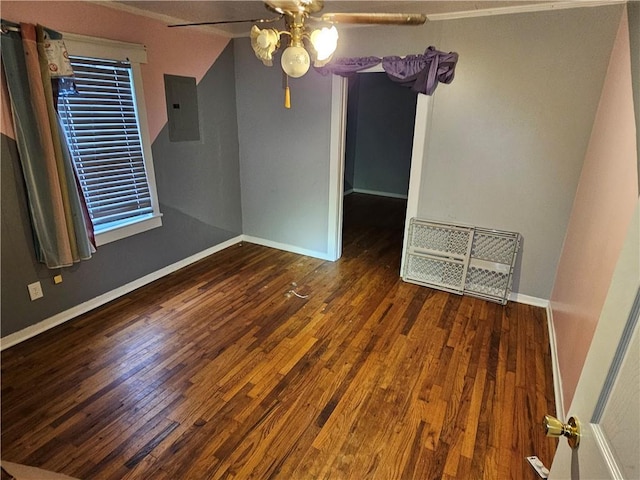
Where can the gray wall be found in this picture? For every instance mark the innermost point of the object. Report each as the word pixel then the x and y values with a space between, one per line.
pixel 199 192
pixel 510 133
pixel 384 122
pixel 284 154
pixel 202 179
pixel 353 91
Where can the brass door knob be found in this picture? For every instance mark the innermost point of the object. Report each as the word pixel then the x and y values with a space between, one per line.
pixel 555 428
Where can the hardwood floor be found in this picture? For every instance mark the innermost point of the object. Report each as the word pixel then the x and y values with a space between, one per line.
pixel 221 371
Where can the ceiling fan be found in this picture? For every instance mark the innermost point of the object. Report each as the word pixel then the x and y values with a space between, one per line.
pixel 303 43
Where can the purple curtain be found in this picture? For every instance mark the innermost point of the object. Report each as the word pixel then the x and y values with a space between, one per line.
pixel 422 73
pixel 348 66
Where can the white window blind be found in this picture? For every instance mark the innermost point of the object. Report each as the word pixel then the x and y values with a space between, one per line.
pixel 103 134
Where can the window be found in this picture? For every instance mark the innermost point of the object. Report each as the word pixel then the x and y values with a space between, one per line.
pixel 105 127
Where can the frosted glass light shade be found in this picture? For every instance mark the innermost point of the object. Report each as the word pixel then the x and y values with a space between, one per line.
pixel 264 43
pixel 295 61
pixel 325 42
pixel 267 39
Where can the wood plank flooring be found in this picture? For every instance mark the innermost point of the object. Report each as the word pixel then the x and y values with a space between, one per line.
pixel 256 363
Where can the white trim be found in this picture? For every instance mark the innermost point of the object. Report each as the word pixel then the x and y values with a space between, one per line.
pixel 555 366
pixel 336 174
pixel 528 300
pixel 522 9
pixel 348 192
pixel 379 194
pixel 73 312
pixel 145 137
pixel 65 316
pixel 375 69
pixel 124 231
pixel 85 46
pixel 610 460
pixel 336 165
pixel 286 247
pixel 168 19
pixel 95 47
pixel 421 131
pixel 210 29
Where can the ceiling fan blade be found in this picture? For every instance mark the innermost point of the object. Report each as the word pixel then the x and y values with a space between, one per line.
pixel 375 18
pixel 225 22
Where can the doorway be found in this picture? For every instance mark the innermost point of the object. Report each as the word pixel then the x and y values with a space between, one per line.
pixel 339 96
pixel 379 136
pixel 378 144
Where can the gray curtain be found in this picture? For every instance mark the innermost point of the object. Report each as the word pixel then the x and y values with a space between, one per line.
pixel 63 233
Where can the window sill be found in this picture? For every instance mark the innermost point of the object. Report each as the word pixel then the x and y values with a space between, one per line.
pixel 128 229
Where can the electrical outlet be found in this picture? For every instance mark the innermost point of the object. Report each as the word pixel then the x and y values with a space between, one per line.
pixel 35 291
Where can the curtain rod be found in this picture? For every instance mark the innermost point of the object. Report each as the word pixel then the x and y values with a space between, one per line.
pixel 7 28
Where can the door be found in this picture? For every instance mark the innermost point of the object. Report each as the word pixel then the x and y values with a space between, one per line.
pixel 607 398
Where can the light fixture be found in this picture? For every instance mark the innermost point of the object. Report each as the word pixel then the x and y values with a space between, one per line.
pixel 295 61
pixel 264 43
pixel 325 42
pixel 303 46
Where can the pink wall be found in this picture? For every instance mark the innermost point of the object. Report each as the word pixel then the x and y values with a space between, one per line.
pixel 604 203
pixel 183 51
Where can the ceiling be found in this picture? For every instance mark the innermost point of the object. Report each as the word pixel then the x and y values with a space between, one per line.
pixel 203 11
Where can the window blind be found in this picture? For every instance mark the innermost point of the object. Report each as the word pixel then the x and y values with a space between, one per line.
pixel 102 131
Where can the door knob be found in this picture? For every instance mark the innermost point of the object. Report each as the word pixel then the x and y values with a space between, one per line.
pixel 555 428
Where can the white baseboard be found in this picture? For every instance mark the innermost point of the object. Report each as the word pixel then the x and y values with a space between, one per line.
pixel 380 194
pixel 62 317
pixel 528 300
pixel 286 247
pixel 555 367
pixel 73 312
pixel 348 192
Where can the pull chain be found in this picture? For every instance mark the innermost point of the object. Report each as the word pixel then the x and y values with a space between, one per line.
pixel 287 92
